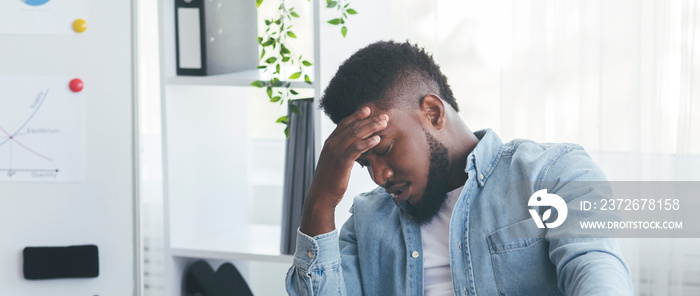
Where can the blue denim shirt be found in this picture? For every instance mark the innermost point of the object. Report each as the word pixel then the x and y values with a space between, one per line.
pixel 379 249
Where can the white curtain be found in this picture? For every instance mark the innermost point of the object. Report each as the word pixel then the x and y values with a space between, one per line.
pixel 620 77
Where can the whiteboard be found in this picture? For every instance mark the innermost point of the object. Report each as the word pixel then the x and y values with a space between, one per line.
pixel 98 207
pixel 42 130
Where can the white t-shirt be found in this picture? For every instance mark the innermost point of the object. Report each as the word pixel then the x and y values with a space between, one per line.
pixel 437 278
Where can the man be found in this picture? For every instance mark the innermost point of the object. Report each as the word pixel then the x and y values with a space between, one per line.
pixel 438 224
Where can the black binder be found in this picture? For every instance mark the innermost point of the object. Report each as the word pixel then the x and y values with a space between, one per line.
pixel 215 37
pixel 298 171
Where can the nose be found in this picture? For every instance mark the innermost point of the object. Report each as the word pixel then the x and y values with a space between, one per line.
pixel 380 173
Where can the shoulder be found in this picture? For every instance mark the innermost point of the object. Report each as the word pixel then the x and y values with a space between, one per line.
pixel 375 200
pixel 369 210
pixel 547 161
pixel 524 148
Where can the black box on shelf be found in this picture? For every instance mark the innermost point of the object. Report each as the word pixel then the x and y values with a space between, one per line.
pixel 215 36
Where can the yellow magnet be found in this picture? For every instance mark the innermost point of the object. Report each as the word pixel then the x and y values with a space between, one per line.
pixel 80 25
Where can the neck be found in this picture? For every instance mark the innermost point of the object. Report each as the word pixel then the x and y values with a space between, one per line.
pixel 464 143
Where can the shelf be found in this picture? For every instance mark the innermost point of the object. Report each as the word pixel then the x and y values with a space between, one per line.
pixel 256 243
pixel 243 78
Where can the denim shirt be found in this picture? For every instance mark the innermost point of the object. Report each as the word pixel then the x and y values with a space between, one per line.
pixel 379 249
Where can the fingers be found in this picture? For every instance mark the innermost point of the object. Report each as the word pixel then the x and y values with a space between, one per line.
pixel 355 134
pixel 361 129
pixel 360 114
pixel 362 146
pixel 360 136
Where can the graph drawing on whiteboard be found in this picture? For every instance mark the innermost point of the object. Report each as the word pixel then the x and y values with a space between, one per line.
pixel 41 17
pixel 41 130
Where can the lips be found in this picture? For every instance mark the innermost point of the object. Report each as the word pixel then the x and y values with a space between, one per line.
pixel 399 192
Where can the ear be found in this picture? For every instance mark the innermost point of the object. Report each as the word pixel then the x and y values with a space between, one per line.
pixel 433 110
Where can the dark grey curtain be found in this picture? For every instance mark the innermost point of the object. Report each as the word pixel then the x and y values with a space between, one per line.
pixel 298 170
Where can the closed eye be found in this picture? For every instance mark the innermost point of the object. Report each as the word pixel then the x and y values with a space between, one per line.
pixel 386 151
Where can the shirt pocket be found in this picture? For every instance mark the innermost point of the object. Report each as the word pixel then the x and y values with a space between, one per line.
pixel 521 263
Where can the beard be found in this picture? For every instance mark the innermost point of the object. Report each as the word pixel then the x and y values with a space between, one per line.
pixel 437 186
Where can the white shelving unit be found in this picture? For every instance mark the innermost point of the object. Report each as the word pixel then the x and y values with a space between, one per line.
pixel 242 79
pixel 217 168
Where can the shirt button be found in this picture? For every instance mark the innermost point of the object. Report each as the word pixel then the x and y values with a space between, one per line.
pixel 481 177
pixel 415 254
pixel 460 246
pixel 310 254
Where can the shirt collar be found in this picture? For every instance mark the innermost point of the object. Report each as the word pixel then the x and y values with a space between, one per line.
pixel 485 156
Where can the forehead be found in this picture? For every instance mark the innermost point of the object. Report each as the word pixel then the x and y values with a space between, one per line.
pixel 400 121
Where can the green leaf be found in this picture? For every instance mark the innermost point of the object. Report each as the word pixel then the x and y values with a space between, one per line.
pixel 275 99
pixel 262 67
pixel 283 119
pixel 351 11
pixel 286 132
pixel 291 34
pixel 294 92
pixel 328 2
pixel 277 68
pixel 271 60
pixel 294 109
pixel 307 79
pixel 306 63
pixel 284 50
pixel 267 22
pixel 269 42
pixel 259 83
pixel 295 75
pixel 262 54
pixel 335 21
pixel 269 92
pixel 342 21
pixel 278 21
pixel 260 39
pixel 285 59
pixel 294 14
pixel 344 31
pixel 276 82
pixel 332 4
pixel 258 2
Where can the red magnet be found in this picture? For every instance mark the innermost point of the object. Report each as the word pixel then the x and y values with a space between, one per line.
pixel 76 85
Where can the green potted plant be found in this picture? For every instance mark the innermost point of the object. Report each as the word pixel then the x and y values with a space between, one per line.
pixel 277 54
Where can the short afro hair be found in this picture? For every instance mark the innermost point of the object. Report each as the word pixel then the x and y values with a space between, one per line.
pixel 369 74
